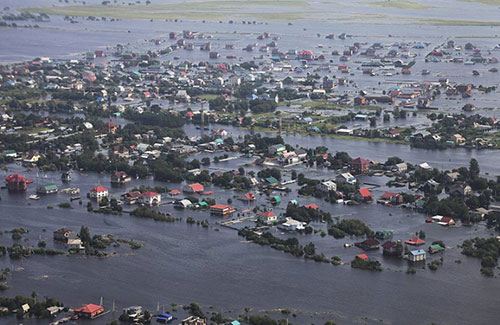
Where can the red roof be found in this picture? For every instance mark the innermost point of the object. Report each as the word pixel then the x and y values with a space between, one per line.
pixel 149 194
pixel 311 206
pixel 389 244
pixel 362 256
pixel 388 195
pixel 250 196
pixel 267 214
pixel 89 309
pixel 174 192
pixel 365 193
pixel 99 188
pixel 16 178
pixel 197 187
pixel 415 241
pixel 133 194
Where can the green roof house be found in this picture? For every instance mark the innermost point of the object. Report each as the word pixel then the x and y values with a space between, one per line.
pixel 271 180
pixel 47 189
pixel 436 248
pixel 276 199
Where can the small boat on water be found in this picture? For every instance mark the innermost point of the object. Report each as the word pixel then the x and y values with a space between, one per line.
pixel 34 197
pixel 71 190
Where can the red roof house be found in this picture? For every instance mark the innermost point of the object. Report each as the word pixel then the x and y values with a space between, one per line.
pixel 362 256
pixel 194 188
pixel 249 196
pixel 98 192
pixel 365 193
pixel 369 244
pixel 99 188
pixel 268 216
pixel 17 183
pixel 360 165
pixel 89 310
pixel 388 195
pixel 151 198
pixel 221 209
pixel 174 192
pixel 415 241
pixel 312 206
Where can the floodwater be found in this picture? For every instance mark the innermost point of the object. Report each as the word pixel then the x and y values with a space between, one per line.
pixel 180 263
pixel 489 160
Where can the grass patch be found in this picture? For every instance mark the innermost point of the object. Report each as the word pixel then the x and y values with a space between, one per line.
pixel 458 22
pixel 400 4
pixel 204 10
pixel 485 2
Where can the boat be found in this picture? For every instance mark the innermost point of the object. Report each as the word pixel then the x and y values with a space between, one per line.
pixel 34 197
pixel 164 318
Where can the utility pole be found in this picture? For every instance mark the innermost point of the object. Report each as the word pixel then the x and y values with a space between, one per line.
pixel 202 122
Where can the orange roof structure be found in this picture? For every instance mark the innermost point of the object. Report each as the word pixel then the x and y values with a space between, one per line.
pixel 365 193
pixel 89 310
pixel 99 188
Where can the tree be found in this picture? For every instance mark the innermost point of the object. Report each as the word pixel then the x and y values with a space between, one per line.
pixel 310 249
pixel 103 202
pixel 114 205
pixel 391 161
pixel 195 310
pixel 205 161
pixel 85 236
pixel 473 168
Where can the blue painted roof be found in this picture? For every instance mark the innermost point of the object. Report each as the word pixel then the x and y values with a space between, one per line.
pixel 417 252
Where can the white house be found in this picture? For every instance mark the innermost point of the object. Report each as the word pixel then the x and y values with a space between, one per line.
pixel 401 167
pixel 327 186
pixel 183 204
pixel 292 224
pixel 346 178
pixel 417 255
pixel 98 193
pixel 151 198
